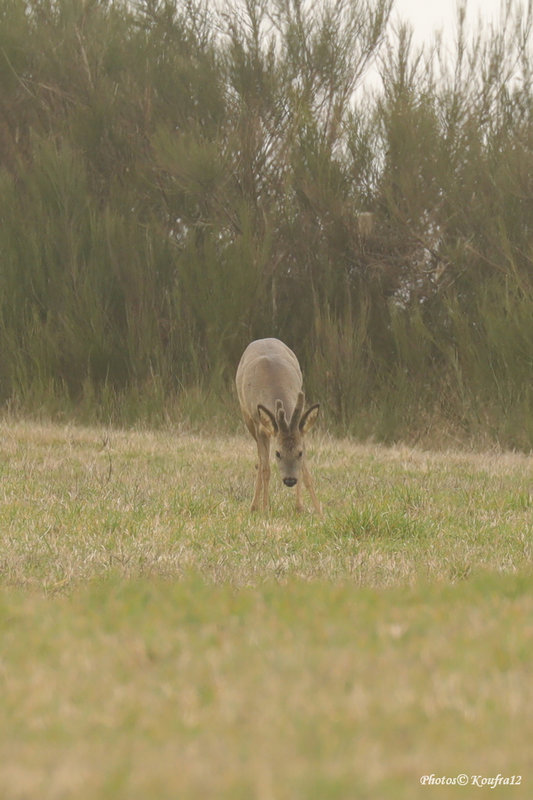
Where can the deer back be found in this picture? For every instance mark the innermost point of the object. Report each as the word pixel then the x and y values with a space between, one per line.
pixel 268 372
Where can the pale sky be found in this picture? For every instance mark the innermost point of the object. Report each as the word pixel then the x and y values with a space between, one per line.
pixel 427 16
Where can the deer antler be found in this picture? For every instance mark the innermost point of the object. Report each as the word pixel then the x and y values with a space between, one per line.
pixel 281 418
pixel 297 413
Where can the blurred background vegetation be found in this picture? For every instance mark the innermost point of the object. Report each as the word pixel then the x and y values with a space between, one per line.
pixel 179 177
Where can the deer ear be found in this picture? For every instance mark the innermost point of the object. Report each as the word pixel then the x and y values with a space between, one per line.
pixel 267 420
pixel 309 418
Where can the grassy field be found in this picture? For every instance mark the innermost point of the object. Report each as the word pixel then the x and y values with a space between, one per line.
pixel 159 641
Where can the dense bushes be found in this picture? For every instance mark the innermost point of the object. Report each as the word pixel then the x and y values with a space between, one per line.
pixel 176 181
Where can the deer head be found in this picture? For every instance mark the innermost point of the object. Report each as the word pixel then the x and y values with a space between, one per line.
pixel 289 436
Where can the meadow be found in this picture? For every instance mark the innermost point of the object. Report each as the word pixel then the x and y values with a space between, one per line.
pixel 178 178
pixel 159 640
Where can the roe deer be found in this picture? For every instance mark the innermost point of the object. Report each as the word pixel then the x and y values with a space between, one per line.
pixel 269 387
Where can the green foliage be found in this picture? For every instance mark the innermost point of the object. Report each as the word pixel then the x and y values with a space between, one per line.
pixel 176 180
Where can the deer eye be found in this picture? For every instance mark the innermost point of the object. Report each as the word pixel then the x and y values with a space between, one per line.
pixel 278 454
pixel 300 454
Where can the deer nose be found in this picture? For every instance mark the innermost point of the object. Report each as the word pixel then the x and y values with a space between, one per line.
pixel 290 481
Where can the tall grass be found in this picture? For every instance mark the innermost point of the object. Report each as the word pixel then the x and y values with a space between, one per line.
pixel 176 180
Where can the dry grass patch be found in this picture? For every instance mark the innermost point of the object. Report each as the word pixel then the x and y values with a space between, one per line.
pixel 160 641
pixel 185 689
pixel 80 503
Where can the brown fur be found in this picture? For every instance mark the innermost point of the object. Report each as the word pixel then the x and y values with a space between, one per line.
pixel 269 387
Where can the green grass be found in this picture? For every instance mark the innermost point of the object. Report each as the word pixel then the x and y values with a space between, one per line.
pixel 157 640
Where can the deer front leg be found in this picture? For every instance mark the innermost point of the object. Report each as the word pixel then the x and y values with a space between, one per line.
pixel 299 503
pixel 266 470
pixel 311 489
pixel 257 489
pixel 263 473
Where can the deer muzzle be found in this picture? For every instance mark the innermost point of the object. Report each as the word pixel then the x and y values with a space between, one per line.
pixel 290 481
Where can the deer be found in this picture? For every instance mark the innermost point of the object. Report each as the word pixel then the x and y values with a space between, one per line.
pixel 269 387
